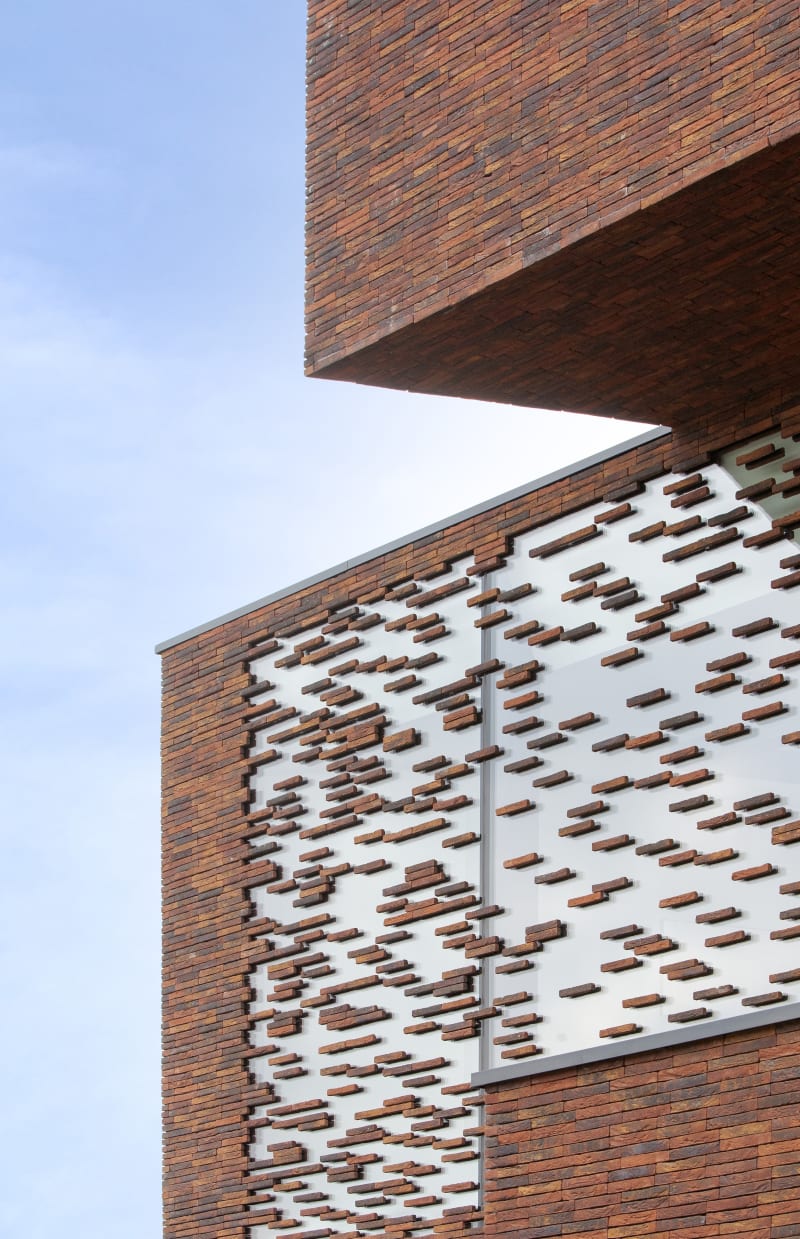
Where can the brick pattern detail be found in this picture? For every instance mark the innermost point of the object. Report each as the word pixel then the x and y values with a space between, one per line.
pixel 699 1141
pixel 210 711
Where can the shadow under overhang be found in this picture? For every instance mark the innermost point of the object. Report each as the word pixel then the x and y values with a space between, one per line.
pixel 690 306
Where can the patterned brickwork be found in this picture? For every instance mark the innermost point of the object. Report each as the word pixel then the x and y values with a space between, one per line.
pixel 642 786
pixel 700 1141
pixel 297 924
pixel 472 158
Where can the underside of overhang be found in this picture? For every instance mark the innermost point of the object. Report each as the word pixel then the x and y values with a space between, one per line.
pixel 690 307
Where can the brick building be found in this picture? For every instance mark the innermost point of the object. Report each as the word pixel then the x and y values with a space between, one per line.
pixel 480 886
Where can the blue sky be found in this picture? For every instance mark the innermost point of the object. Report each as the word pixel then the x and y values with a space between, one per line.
pixel 162 460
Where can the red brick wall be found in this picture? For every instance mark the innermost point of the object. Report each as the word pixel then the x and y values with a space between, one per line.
pixel 687 309
pixel 203 908
pixel 452 144
pixel 699 1141
pixel 207 953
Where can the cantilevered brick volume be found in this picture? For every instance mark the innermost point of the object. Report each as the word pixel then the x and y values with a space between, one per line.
pixel 581 206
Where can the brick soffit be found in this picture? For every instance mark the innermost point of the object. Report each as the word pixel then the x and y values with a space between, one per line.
pixel 707 274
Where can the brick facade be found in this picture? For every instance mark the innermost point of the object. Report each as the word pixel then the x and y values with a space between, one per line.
pixel 698 1142
pixel 208 952
pixel 547 204
pixel 204 906
pixel 583 206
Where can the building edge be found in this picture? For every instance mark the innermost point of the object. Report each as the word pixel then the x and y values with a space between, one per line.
pixel 446 522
